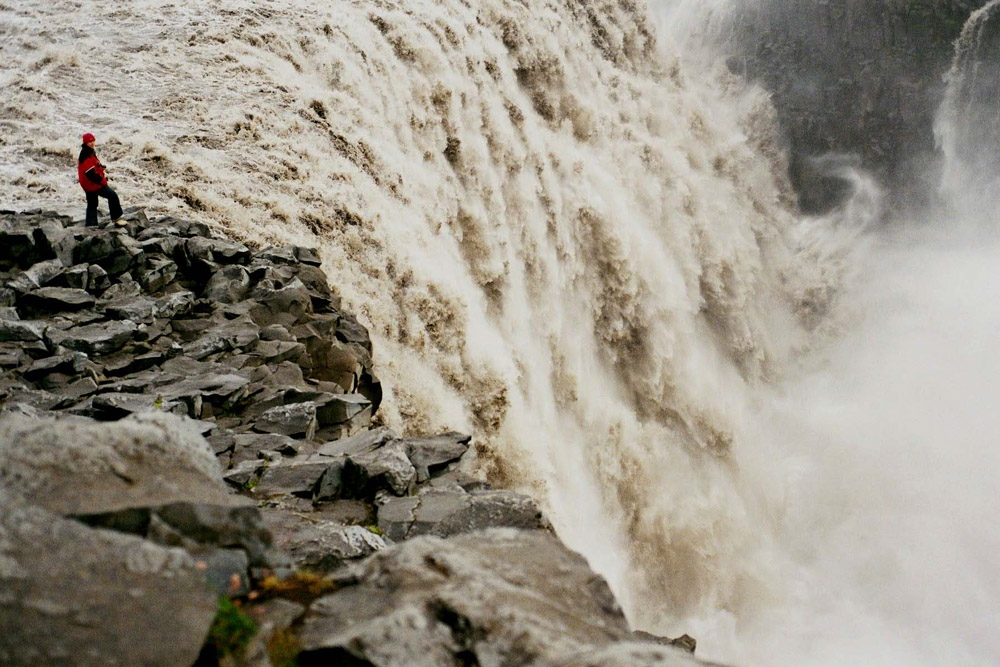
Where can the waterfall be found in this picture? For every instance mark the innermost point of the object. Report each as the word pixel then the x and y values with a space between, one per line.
pixel 968 123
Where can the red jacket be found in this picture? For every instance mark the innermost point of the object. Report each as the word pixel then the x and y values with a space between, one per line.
pixel 91 171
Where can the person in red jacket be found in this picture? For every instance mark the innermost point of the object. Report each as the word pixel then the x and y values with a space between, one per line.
pixel 95 184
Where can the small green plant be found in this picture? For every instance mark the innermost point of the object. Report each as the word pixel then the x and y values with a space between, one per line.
pixel 231 629
pixel 375 529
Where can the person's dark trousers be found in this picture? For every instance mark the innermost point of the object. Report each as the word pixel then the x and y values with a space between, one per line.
pixel 114 205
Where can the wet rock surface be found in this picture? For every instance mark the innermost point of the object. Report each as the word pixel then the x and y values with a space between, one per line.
pixel 184 417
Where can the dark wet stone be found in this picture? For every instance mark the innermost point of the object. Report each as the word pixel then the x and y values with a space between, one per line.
pixel 157 273
pixel 97 278
pixel 135 308
pixel 56 299
pixel 446 513
pixel 94 339
pixel 430 455
pixel 349 330
pixel 20 330
pixel 277 351
pixel 360 443
pixel 229 284
pixel 298 478
pixel 62 363
pixel 386 468
pixel 248 446
pixel 343 408
pixel 298 420
pixel 276 332
pixel 284 305
pixel 220 251
pixel 76 277
pixel 127 364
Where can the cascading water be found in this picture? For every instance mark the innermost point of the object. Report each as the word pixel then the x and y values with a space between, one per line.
pixel 563 240
pixel 968 123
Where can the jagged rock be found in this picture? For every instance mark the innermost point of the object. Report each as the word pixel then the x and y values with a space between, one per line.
pixel 299 478
pixel 136 308
pixel 94 339
pixel 42 400
pixel 497 597
pixel 35 276
pixel 172 305
pixel 127 364
pixel 387 467
pixel 229 284
pixel 247 446
pixel 116 405
pixel 276 332
pixel 430 455
pixel 97 278
pixel 446 513
pixel 20 330
pixel 242 474
pixel 283 305
pixel 56 299
pixel 217 250
pixel 76 277
pixel 78 597
pixel 157 273
pixel 633 654
pixel 23 246
pixel 363 442
pixel 277 351
pixel 322 545
pixel 298 419
pixel 72 362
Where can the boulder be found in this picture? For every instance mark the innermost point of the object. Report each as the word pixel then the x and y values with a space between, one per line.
pixel 56 299
pixel 94 339
pixel 323 545
pixel 497 597
pixel 386 468
pixel 74 596
pixel 447 513
pixel 430 455
pixel 297 419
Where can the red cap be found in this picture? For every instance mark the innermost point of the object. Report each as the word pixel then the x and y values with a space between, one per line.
pixel 87 138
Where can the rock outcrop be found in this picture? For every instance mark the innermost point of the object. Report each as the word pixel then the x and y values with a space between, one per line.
pixel 185 421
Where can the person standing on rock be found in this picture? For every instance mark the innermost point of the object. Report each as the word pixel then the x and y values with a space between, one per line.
pixel 95 184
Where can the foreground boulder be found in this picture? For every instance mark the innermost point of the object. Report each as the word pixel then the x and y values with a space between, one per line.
pixel 73 596
pixel 495 597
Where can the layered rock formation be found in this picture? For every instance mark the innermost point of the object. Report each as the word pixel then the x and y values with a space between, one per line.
pixel 183 418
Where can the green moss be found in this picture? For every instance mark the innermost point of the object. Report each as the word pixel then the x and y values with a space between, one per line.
pixel 231 629
pixel 283 648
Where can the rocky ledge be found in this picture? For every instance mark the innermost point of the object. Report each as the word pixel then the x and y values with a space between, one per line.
pixel 190 475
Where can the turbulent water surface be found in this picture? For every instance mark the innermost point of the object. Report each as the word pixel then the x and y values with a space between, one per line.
pixel 772 432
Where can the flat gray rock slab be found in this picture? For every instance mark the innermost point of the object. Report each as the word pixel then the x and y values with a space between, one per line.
pixel 74 596
pixel 323 545
pixel 76 467
pixel 450 513
pixel 94 339
pixel 430 455
pixel 498 597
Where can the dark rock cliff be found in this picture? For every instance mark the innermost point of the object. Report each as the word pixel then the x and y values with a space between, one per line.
pixel 851 77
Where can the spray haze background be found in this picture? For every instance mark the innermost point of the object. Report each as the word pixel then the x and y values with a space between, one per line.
pixel 582 247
